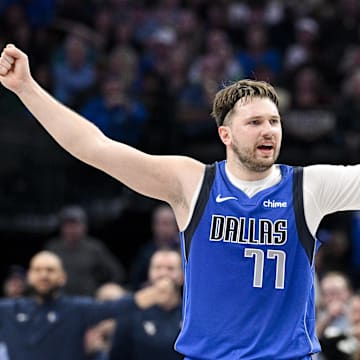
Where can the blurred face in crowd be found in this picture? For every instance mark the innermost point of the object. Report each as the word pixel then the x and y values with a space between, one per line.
pixel 215 40
pixel 14 286
pixel 187 23
pixel 166 263
pixel 252 134
pixel 76 52
pixel 46 274
pixel 108 291
pixel 256 37
pixel 334 288
pixel 164 225
pixel 73 230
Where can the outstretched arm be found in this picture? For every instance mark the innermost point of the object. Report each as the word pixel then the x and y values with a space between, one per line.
pixel 169 178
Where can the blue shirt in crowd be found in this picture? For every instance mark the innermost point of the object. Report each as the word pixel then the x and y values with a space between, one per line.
pixel 55 329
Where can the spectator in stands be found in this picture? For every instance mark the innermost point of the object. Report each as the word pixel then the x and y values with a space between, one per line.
pixel 49 325
pixel 342 29
pixel 332 316
pixel 348 112
pixel 160 102
pixel 190 31
pixel 258 52
pixel 218 44
pixel 150 333
pixel 87 261
pixel 194 103
pixel 195 99
pixel 158 48
pixel 354 336
pixel 345 344
pixel 73 71
pixel 103 25
pixel 122 63
pixel 115 113
pixel 335 252
pixel 14 285
pixel 303 50
pixel 123 33
pixel 164 233
pixel 310 123
pixel 355 249
pixel 98 338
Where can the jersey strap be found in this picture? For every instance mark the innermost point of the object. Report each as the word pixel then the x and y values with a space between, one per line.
pixel 307 240
pixel 202 200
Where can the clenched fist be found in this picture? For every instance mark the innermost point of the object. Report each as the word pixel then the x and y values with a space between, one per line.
pixel 14 69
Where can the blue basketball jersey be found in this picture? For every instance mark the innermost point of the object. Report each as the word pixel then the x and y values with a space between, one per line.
pixel 249 272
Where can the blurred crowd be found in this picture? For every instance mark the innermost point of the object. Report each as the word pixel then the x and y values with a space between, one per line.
pixel 43 318
pixel 86 269
pixel 145 72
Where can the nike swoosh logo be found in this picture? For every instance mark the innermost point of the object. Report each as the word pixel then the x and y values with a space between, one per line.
pixel 220 199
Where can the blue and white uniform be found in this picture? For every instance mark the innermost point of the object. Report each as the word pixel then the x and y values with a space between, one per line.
pixel 249 269
pixel 54 329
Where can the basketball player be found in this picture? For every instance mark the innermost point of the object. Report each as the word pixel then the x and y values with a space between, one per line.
pixel 247 225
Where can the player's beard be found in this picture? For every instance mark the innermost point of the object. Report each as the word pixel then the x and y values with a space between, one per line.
pixel 247 158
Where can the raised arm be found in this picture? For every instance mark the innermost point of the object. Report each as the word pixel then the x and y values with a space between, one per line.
pixel 169 178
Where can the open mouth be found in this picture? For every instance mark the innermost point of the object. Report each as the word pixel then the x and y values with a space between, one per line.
pixel 265 147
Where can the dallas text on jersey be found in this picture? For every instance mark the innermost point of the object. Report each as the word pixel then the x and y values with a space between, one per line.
pixel 244 230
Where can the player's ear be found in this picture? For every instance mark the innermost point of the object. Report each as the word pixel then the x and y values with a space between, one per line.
pixel 225 134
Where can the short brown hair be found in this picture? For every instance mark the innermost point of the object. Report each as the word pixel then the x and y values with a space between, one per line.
pixel 226 98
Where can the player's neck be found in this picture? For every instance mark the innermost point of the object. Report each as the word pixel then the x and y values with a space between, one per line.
pixel 241 172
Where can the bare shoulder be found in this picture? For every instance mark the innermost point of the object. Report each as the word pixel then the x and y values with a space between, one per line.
pixel 190 173
pixel 169 178
pixel 194 168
